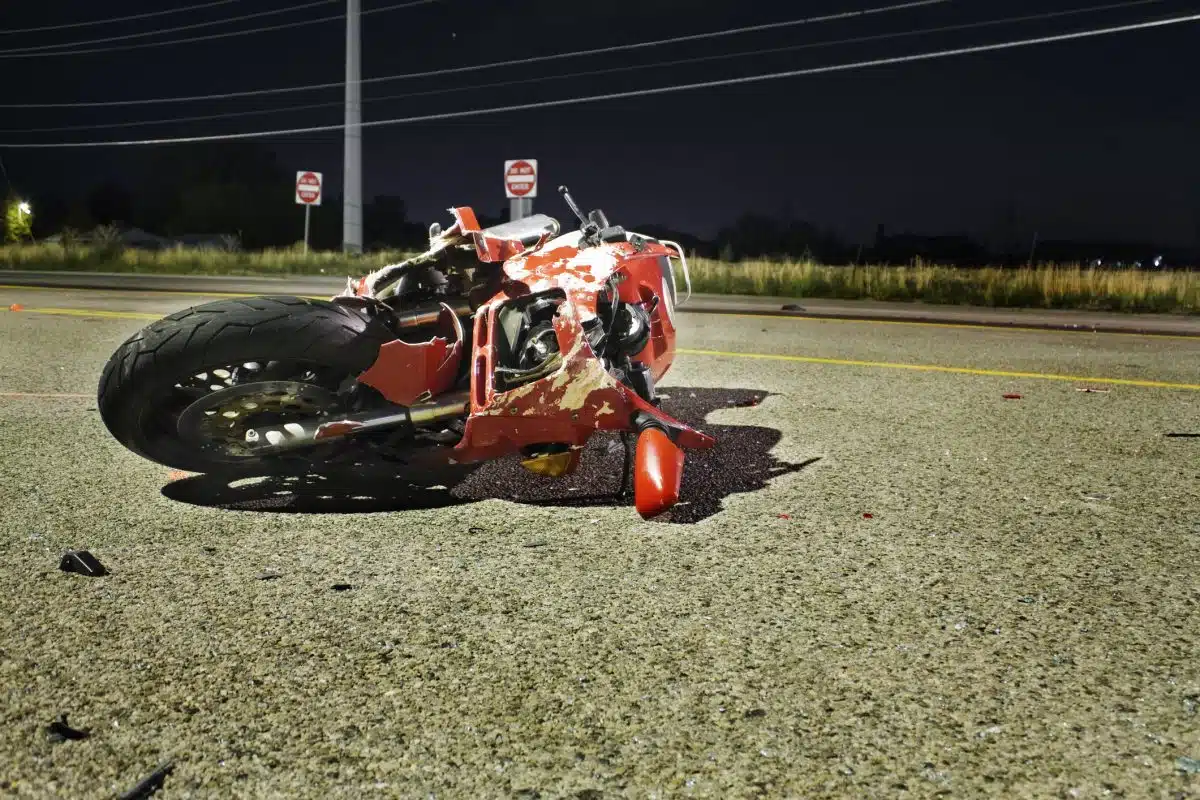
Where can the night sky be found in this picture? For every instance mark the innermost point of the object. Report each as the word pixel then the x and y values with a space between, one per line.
pixel 1097 139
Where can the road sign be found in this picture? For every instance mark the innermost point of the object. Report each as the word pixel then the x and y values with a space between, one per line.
pixel 308 188
pixel 520 178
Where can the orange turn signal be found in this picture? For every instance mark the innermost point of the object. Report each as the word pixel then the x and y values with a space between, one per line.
pixel 658 473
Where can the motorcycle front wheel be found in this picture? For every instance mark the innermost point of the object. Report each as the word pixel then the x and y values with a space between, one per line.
pixel 192 390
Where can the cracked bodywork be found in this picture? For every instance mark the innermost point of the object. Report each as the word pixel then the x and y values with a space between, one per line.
pixel 546 409
pixel 405 373
pixel 580 397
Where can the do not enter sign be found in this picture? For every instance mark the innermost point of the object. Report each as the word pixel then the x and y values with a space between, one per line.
pixel 520 178
pixel 308 188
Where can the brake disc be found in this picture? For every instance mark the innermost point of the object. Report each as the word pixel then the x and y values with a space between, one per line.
pixel 224 418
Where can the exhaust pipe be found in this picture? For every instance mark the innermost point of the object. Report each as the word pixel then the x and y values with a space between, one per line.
pixel 428 314
pixel 295 434
pixel 415 317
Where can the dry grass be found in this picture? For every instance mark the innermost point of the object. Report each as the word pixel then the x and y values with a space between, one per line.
pixel 1040 287
pixel 185 261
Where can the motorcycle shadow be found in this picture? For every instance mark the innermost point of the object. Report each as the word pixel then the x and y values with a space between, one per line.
pixel 740 462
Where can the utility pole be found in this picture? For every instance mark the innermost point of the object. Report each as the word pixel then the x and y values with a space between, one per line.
pixel 352 229
pixel 1033 248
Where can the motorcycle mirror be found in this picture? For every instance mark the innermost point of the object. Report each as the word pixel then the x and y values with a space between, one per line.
pixel 571 202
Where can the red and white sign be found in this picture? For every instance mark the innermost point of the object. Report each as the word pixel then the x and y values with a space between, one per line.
pixel 308 188
pixel 520 178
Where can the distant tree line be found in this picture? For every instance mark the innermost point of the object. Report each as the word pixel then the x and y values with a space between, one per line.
pixel 239 189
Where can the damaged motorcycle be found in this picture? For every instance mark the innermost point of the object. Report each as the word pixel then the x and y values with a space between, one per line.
pixel 515 339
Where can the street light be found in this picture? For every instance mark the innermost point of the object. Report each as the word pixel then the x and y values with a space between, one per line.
pixel 24 208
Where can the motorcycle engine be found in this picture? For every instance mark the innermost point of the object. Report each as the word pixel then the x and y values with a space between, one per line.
pixel 532 350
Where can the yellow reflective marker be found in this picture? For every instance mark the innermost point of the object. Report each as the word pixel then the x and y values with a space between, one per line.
pixel 81 312
pixel 995 373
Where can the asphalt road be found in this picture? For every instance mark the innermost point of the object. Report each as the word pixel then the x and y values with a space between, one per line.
pixel 888 580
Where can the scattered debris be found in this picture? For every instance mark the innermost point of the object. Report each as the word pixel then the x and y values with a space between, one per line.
pixel 868 515
pixel 1092 390
pixel 792 307
pixel 1182 435
pixel 536 543
pixel 150 784
pixel 341 587
pixel 1189 765
pixel 209 550
pixel 986 732
pixel 1096 496
pixel 16 307
pixel 270 575
pixel 755 712
pixel 1027 599
pixel 475 529
pixel 60 731
pixel 83 563
pixel 784 516
pixel 177 475
pixel 1012 396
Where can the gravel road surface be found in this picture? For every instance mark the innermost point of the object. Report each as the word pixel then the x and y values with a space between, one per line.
pixel 887 581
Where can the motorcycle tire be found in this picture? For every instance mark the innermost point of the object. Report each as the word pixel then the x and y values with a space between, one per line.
pixel 139 392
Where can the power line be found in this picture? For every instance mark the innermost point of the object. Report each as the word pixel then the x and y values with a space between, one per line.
pixel 111 20
pixel 143 34
pixel 211 36
pixel 494 64
pixel 594 72
pixel 637 92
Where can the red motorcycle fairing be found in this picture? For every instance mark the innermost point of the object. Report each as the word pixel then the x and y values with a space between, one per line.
pixel 580 396
pixel 405 373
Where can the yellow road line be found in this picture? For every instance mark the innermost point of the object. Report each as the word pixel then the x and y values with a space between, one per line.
pixel 746 315
pixel 87 312
pixel 845 362
pixel 996 327
pixel 18 287
pixel 67 395
pixel 80 312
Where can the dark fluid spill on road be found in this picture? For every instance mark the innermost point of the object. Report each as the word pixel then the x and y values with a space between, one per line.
pixel 740 462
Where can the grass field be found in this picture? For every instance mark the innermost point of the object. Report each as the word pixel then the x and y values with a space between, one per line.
pixel 1037 287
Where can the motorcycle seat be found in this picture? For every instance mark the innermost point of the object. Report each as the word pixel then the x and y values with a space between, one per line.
pixel 527 230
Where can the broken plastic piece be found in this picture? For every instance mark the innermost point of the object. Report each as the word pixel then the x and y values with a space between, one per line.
pixel 784 516
pixel 1012 397
pixel 150 784
pixel 83 563
pixel 1182 435
pixel 868 515
pixel 1091 389
pixel 792 307
pixel 60 731
pixel 16 307
pixel 341 587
